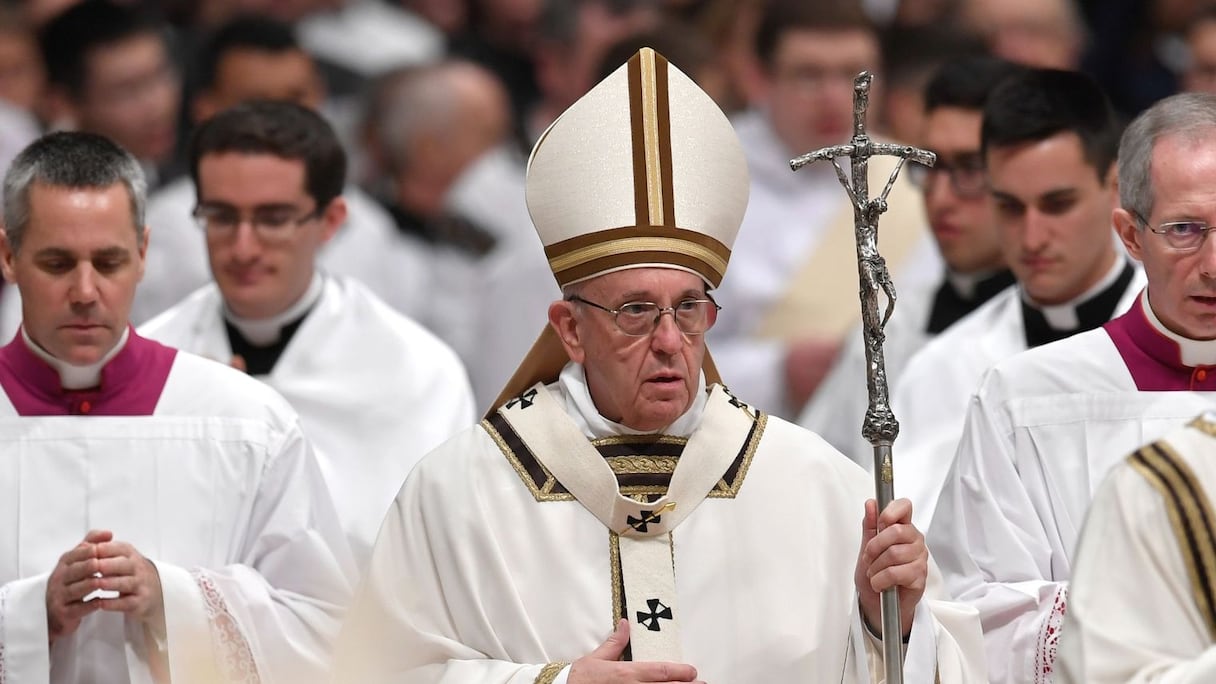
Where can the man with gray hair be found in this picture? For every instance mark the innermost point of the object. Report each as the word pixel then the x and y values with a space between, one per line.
pixel 1142 600
pixel 182 531
pixel 1047 425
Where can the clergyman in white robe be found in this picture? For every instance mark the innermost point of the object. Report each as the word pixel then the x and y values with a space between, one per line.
pixel 367 247
pixel 375 391
pixel 931 397
pixel 207 474
pixel 1141 606
pixel 1042 432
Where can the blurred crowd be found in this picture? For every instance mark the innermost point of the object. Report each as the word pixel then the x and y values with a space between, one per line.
pixel 439 103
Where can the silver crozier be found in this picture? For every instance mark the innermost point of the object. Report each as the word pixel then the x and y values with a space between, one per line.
pixel 880 427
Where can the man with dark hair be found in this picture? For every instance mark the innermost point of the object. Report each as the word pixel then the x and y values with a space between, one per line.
pixel 910 58
pixel 1048 146
pixel 110 73
pixel 167 518
pixel 960 212
pixel 1045 425
pixel 375 391
pixel 796 256
pixel 253 58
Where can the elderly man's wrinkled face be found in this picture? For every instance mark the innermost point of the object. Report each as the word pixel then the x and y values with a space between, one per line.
pixel 1181 281
pixel 645 382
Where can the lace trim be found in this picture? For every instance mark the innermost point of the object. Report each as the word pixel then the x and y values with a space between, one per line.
pixel 1049 638
pixel 237 658
pixel 3 596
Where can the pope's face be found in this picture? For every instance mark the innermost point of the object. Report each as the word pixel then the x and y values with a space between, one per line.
pixel 647 382
pixel 77 267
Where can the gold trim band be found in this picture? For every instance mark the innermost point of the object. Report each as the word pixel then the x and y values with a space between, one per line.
pixel 620 246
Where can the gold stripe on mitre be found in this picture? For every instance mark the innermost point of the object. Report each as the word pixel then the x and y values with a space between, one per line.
pixel 606 250
pixel 655 238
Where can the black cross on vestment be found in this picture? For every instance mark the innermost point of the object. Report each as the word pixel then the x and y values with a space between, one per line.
pixel 657 610
pixel 648 517
pixel 524 400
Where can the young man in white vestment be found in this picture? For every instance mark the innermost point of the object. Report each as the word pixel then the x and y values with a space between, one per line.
pixel 163 515
pixel 960 213
pixel 619 516
pixel 256 58
pixel 1142 607
pixel 791 294
pixel 1048 140
pixel 374 390
pixel 1046 425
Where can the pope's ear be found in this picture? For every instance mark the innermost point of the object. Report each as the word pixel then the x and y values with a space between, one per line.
pixel 561 318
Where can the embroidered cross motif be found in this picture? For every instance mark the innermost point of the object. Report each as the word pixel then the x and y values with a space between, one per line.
pixel 524 400
pixel 657 610
pixel 648 517
pixel 734 401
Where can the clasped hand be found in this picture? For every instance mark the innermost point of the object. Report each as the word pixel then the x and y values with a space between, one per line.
pixel 99 562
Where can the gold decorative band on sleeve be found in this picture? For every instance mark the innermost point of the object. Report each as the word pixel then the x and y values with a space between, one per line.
pixel 550 672
pixel 1190 514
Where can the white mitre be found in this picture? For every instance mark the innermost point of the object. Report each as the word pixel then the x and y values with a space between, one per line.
pixel 643 171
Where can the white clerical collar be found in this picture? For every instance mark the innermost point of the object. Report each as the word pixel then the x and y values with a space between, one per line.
pixel 72 377
pixel 965 283
pixel 572 384
pixel 1064 316
pixel 1192 352
pixel 266 331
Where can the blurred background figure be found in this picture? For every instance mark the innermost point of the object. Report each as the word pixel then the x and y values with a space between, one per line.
pixel 258 58
pixel 433 125
pixel 794 258
pixel 111 73
pixel 1041 33
pixel 1200 70
pixel 910 56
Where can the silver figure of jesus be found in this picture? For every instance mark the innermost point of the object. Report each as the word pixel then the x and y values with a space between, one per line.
pixel 880 427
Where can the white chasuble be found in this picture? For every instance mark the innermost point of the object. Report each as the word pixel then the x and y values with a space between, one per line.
pixel 374 390
pixel 216 486
pixel 1142 607
pixel 728 543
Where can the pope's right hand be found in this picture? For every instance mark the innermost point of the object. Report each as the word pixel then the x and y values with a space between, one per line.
pixel 603 666
pixel 71 580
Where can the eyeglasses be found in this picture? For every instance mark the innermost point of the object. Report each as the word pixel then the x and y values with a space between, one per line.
pixel 638 319
pixel 966 175
pixel 270 224
pixel 1181 236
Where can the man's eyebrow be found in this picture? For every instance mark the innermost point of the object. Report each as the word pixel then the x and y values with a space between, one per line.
pixel 1005 197
pixel 53 253
pixel 1058 194
pixel 111 253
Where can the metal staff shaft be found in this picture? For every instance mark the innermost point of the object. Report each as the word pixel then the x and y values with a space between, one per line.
pixel 880 427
